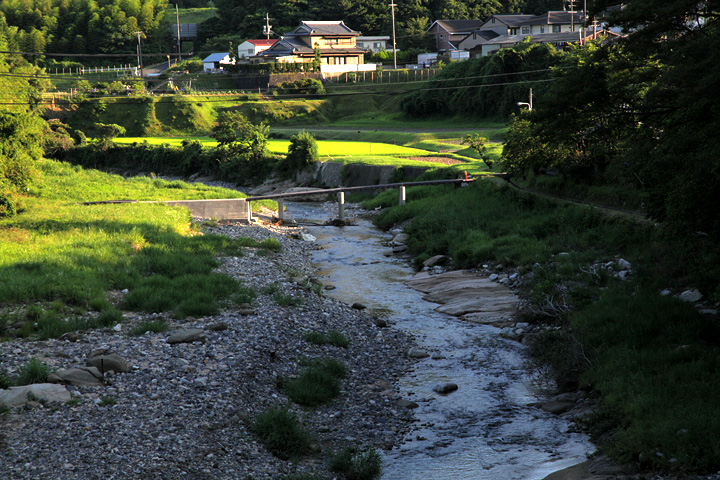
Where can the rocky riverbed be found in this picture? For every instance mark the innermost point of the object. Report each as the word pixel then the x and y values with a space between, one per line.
pixel 182 410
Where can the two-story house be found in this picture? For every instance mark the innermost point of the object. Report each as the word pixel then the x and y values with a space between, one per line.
pixel 335 42
pixel 448 33
pixel 250 48
pixel 500 31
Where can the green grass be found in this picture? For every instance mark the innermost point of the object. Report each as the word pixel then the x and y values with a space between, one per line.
pixel 317 384
pixel 57 250
pixel 355 465
pixel 34 371
pixel 282 433
pixel 189 15
pixel 153 326
pixel 333 337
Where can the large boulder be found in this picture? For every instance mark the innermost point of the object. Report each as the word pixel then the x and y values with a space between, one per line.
pixel 43 392
pixel 83 376
pixel 187 336
pixel 108 363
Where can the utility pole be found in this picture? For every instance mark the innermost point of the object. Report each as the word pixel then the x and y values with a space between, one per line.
pixel 392 10
pixel 267 29
pixel 179 46
pixel 572 14
pixel 140 58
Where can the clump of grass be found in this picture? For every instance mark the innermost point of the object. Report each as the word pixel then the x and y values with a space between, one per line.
pixel 271 289
pixel 282 433
pixel 317 384
pixel 107 401
pixel 6 380
pixel 355 465
pixel 73 402
pixel 287 300
pixel 271 244
pixel 153 326
pixel 333 337
pixel 34 371
pixel 244 295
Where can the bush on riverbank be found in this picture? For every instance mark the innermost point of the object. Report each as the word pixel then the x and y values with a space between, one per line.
pixel 652 360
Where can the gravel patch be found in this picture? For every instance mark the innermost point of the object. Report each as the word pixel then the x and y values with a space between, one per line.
pixel 183 410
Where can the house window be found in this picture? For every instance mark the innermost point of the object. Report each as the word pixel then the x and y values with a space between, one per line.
pixel 526 30
pixel 542 28
pixel 251 51
pixel 378 45
pixel 556 28
pixel 512 31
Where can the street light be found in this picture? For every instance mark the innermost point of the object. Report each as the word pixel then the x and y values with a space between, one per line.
pixel 529 105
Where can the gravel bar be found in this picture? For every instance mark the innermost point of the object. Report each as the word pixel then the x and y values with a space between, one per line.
pixel 182 411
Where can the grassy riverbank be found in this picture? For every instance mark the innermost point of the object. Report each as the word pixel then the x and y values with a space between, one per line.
pixel 56 251
pixel 651 360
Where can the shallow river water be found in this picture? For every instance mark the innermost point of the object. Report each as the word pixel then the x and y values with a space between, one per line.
pixel 485 429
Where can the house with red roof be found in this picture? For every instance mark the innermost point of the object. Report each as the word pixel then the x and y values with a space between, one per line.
pixel 250 48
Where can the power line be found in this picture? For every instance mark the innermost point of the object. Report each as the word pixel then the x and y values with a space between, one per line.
pixel 120 101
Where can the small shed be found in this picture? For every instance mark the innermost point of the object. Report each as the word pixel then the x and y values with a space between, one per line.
pixel 213 63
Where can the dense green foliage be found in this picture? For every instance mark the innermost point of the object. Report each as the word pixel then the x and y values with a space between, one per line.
pixel 651 360
pixel 355 465
pixel 84 26
pixel 317 384
pixel 640 113
pixel 302 152
pixel 486 87
pixel 21 131
pixel 281 432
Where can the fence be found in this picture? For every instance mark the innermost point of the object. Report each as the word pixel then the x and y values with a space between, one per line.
pixel 389 76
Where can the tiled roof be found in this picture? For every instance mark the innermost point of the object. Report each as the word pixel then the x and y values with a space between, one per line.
pixel 459 26
pixel 567 37
pixel 324 28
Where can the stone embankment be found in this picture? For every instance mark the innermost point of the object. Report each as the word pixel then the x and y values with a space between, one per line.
pixel 179 404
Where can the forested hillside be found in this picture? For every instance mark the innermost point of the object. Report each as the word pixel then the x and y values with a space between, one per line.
pixel 85 26
pixel 111 26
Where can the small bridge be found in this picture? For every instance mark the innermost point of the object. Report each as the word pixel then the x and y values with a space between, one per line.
pixel 280 197
pixel 241 208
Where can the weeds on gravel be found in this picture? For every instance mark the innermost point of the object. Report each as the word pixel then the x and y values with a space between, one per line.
pixel 285 300
pixel 107 401
pixel 34 371
pixel 354 465
pixel 55 322
pixel 317 384
pixel 333 337
pixel 6 380
pixel 152 326
pixel 244 295
pixel 282 433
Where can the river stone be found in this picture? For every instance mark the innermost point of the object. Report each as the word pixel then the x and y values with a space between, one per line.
pixel 187 336
pixel 400 249
pixel 406 403
pixel 415 352
pixel 108 363
pixel 691 295
pixel 218 327
pixel 380 322
pixel 400 238
pixel 358 306
pixel 557 407
pixel 306 237
pixel 446 387
pixel 83 376
pixel 44 392
pixel 436 260
pixel 624 264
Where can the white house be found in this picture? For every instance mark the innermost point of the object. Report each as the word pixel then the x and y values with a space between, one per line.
pixel 374 44
pixel 250 48
pixel 213 63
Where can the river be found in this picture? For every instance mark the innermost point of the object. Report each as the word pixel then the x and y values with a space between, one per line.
pixel 484 430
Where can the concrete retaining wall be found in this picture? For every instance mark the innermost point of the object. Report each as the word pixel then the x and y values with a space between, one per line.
pixel 222 209
pixel 333 175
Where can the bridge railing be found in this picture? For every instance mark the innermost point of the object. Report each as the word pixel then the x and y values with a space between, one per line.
pixel 280 197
